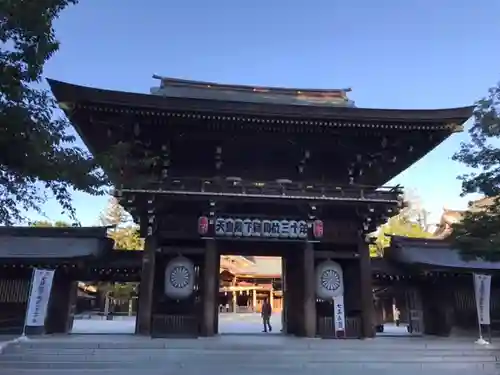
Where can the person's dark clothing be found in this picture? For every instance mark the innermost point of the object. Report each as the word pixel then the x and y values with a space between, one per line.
pixel 267 323
pixel 267 310
pixel 266 313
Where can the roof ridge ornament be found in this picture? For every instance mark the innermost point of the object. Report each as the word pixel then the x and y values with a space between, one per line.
pixel 176 87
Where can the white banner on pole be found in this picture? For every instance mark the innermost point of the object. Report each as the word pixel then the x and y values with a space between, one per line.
pixel 41 285
pixel 339 314
pixel 482 291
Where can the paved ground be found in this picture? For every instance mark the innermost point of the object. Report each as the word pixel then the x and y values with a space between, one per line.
pixel 229 323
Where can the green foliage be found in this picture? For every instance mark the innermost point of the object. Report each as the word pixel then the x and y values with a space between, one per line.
pixel 39 159
pixel 399 225
pixel 117 290
pixel 123 291
pixel 477 235
pixel 49 224
pixel 124 232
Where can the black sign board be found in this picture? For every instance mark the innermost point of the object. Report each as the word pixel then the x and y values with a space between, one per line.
pixel 229 227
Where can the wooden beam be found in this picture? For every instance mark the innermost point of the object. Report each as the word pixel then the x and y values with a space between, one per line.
pixel 183 250
pixel 335 254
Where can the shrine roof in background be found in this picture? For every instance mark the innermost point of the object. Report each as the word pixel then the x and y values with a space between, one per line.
pixel 266 266
pixel 84 295
pixel 232 264
pixel 450 217
pixel 433 254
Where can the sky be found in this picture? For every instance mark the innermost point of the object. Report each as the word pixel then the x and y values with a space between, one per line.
pixel 394 54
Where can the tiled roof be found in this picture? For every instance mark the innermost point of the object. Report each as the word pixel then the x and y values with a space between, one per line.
pixel 450 217
pixel 255 266
pixel 266 266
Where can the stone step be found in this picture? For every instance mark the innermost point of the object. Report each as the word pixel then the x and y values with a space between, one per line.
pixel 264 350
pixel 216 345
pixel 333 354
pixel 341 369
pixel 203 367
pixel 231 357
pixel 245 356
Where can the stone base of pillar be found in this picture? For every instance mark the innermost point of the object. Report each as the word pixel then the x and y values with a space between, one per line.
pixel 34 331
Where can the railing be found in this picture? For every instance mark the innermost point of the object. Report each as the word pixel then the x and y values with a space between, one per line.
pixel 11 325
pixel 237 187
pixel 174 326
pixel 104 316
pixel 326 327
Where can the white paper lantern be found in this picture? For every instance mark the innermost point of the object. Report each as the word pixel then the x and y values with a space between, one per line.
pixel 329 280
pixel 179 278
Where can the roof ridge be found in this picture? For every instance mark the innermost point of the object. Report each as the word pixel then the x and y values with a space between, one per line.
pixel 252 88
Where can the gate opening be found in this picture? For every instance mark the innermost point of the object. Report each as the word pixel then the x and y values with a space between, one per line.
pixel 246 285
pixel 105 308
pixel 393 311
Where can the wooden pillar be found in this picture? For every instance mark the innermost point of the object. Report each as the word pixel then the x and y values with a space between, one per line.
pixel 284 296
pixel 60 310
pixel 216 304
pixel 235 301
pixel 254 300
pixel 293 294
pixel 145 302
pixel 437 301
pixel 309 296
pixel 271 297
pixel 366 292
pixel 210 285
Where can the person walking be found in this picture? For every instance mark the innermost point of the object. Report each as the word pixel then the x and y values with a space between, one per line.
pixel 397 316
pixel 266 313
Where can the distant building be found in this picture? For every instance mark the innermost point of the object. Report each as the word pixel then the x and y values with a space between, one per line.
pixel 246 281
pixel 450 217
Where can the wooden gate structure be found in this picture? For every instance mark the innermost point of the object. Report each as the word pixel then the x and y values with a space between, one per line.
pixel 436 298
pixel 208 169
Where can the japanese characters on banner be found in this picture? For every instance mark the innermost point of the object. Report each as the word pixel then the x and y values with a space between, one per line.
pixel 482 291
pixel 339 314
pixel 41 286
pixel 179 278
pixel 248 228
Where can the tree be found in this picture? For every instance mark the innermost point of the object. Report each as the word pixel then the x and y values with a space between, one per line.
pixel 126 236
pixel 396 226
pixel 38 158
pixel 49 224
pixel 478 234
pixel 410 222
pixel 124 232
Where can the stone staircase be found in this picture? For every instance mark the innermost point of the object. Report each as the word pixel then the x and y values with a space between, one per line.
pixel 245 355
